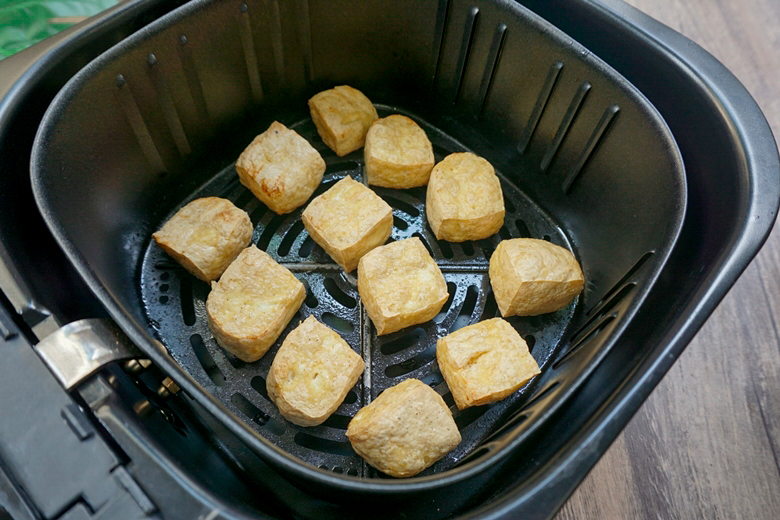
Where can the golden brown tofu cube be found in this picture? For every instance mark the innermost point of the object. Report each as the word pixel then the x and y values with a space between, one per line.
pixel 400 285
pixel 312 373
pixel 398 154
pixel 484 362
pixel 531 277
pixel 404 430
pixel 281 168
pixel 205 236
pixel 464 199
pixel 342 116
pixel 348 221
pixel 252 303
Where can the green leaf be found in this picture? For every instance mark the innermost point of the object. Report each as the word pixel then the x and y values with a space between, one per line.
pixel 26 22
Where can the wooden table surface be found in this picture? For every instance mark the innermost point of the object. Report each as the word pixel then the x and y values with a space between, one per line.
pixel 706 443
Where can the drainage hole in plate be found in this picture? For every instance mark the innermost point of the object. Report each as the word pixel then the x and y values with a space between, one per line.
pixel 491 307
pixel 449 401
pixel 187 304
pixel 413 363
pixel 339 422
pixel 510 207
pixel 323 445
pixel 245 198
pixel 325 186
pixel 310 300
pixel 289 238
pixel 270 230
pixel 250 410
pixel 258 383
pixel 307 247
pixel 446 249
pixel 486 245
pixel 400 223
pixel 522 229
pixel 168 264
pixel 464 315
pixel 403 206
pixel 257 416
pixel 233 360
pixel 342 167
pixel 351 397
pixel 206 361
pixel 338 293
pixel 256 214
pixel 425 243
pixel 504 233
pixel 452 289
pixel 407 340
pixel 433 379
pixel 469 415
pixel 339 324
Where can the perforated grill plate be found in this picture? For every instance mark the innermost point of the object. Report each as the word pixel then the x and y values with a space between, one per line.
pixel 175 303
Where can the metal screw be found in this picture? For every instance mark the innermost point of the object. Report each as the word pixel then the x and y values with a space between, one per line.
pixel 168 388
pixel 136 366
pixel 142 408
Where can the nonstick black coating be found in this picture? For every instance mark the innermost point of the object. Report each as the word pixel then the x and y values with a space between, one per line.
pixel 175 304
pixel 142 129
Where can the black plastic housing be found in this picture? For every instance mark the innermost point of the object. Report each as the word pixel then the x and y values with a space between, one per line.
pixel 733 166
pixel 156 121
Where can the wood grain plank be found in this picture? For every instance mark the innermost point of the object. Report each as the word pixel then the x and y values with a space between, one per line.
pixel 618 483
pixel 706 444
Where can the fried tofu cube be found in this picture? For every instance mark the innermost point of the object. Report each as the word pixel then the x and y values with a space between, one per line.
pixel 252 303
pixel 312 373
pixel 398 154
pixel 404 430
pixel 280 168
pixel 348 221
pixel 464 199
pixel 342 116
pixel 400 285
pixel 485 362
pixel 205 236
pixel 531 276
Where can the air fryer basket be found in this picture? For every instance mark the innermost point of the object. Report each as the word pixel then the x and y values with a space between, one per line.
pixel 585 162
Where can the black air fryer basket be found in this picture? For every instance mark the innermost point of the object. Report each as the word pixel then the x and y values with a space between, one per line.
pixel 585 162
